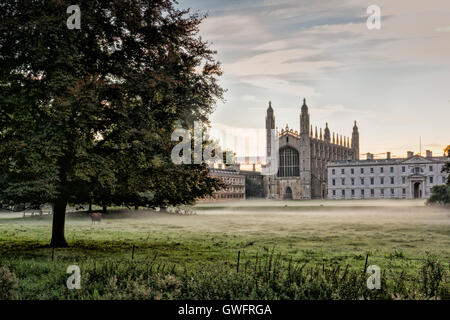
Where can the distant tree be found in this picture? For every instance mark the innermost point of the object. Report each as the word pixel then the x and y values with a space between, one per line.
pixel 446 169
pixel 87 114
pixel 253 189
pixel 447 150
pixel 441 194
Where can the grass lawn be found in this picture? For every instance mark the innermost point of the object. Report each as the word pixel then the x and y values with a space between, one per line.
pixel 397 234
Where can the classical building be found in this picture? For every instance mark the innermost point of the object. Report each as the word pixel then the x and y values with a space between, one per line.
pixel 303 157
pixel 411 177
pixel 235 185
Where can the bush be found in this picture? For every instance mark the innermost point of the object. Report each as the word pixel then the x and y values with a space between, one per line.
pixel 8 284
pixel 440 195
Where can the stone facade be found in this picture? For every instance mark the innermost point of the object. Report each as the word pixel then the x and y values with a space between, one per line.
pixel 235 181
pixel 411 177
pixel 303 157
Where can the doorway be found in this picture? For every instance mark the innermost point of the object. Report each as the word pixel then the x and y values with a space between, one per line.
pixel 288 194
pixel 417 190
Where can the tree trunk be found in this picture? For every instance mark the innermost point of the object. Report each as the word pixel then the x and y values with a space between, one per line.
pixel 90 207
pixel 59 217
pixel 136 207
pixel 104 207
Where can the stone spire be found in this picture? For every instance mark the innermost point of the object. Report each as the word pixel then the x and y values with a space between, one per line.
pixel 327 136
pixel 304 120
pixel 270 128
pixel 355 142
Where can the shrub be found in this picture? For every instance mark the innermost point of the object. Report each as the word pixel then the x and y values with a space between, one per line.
pixel 440 195
pixel 8 284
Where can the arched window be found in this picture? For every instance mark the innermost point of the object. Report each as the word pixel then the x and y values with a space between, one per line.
pixel 289 163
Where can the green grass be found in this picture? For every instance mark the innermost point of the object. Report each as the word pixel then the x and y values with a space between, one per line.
pixel 398 236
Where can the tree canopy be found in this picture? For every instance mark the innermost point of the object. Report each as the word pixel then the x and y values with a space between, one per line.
pixel 87 114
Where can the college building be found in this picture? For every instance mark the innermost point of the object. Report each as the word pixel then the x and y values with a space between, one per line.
pixel 303 157
pixel 400 178
pixel 235 184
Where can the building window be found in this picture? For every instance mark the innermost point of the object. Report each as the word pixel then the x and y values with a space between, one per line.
pixel 334 192
pixel 333 171
pixel 289 164
pixel 392 191
pixel 392 169
pixel 381 180
pixel 403 180
pixel 362 192
pixel 343 193
pixel 431 179
pixel 352 171
pixel 381 170
pixel 343 171
pixel 343 181
pixel 372 192
pixel 417 170
pixel 392 180
pixel 404 191
pixel 382 192
pixel 371 170
pixel 353 192
pixel 353 182
pixel 431 168
pixel 403 169
pixel 372 180
pixel 334 182
pixel 362 181
pixel 362 170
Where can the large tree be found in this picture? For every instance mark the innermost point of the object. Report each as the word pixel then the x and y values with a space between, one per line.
pixel 87 114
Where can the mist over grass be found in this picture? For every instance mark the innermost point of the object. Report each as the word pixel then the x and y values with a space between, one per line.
pixel 398 236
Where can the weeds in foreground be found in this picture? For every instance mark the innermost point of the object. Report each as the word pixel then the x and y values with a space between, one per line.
pixel 269 277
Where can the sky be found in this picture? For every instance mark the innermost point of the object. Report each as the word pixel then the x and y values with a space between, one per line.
pixel 395 81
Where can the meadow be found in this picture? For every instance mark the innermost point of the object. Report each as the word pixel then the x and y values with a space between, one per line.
pixel 234 250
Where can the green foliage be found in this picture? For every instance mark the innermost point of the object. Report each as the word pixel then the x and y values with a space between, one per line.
pixel 269 277
pixel 86 115
pixel 440 195
pixel 253 189
pixel 446 169
pixel 8 284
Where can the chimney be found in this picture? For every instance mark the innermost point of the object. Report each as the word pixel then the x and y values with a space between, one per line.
pixel 429 154
pixel 388 156
pixel 409 154
pixel 369 156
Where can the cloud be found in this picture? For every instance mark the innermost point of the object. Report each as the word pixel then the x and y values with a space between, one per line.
pixel 276 63
pixel 278 85
pixel 282 50
pixel 445 29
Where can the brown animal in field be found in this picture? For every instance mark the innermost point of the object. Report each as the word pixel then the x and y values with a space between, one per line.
pixel 95 217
